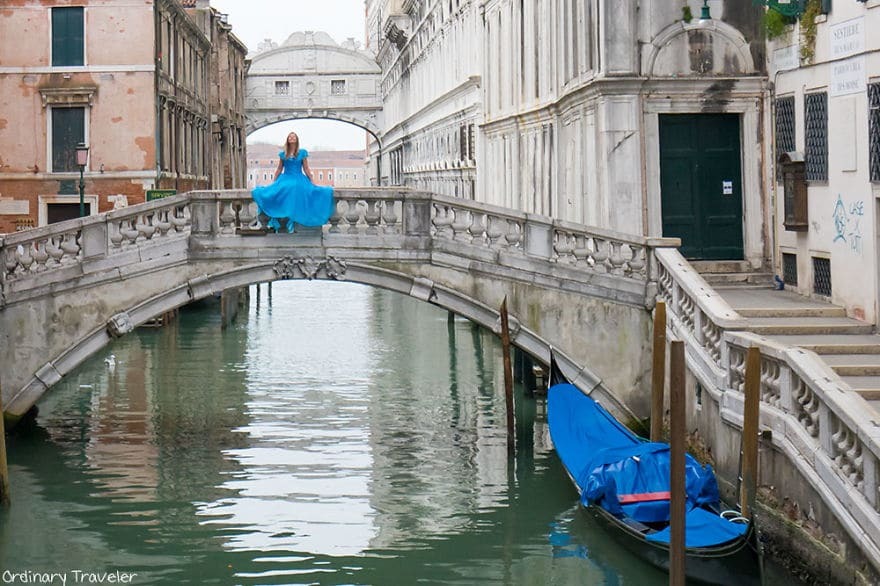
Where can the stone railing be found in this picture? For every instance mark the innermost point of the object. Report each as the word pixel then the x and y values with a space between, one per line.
pixel 366 219
pixel 66 246
pixel 825 428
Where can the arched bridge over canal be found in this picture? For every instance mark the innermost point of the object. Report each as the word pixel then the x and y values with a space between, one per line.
pixel 68 289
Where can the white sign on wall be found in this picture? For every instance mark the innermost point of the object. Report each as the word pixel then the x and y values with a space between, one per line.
pixel 786 58
pixel 848 77
pixel 847 38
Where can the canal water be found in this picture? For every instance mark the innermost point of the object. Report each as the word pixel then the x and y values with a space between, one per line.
pixel 334 434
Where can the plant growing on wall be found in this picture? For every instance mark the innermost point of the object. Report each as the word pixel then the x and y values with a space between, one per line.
pixel 808 30
pixel 776 24
pixel 686 14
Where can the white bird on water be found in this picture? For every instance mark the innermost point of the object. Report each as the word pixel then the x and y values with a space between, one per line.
pixel 111 362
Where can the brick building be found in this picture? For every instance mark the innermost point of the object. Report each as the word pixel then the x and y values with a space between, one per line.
pixel 154 89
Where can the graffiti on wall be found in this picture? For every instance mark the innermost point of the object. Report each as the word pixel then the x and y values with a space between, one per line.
pixel 847 223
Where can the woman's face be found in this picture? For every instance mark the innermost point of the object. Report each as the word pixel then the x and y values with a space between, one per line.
pixel 292 138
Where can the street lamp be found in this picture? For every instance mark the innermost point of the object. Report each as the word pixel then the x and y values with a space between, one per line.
pixel 82 158
pixel 704 11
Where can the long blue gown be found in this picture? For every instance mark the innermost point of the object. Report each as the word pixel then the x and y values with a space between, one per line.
pixel 294 197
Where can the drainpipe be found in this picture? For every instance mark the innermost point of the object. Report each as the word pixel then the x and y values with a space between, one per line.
pixel 157 52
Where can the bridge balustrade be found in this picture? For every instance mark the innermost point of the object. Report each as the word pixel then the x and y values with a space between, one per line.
pixel 826 430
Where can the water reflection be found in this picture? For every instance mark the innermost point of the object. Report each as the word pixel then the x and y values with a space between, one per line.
pixel 337 435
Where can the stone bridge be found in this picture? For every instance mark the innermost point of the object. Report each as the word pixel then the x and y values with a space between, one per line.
pixel 68 289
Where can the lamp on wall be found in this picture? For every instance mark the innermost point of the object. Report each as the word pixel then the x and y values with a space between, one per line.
pixel 82 159
pixel 704 11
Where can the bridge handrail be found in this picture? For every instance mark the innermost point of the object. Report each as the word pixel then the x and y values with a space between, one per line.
pixel 826 428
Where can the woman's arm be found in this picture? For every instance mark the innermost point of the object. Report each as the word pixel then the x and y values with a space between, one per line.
pixel 279 169
pixel 307 170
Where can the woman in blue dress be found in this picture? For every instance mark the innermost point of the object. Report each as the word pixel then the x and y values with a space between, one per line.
pixel 292 194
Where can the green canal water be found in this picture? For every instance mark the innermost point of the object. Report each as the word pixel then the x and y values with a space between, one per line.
pixel 335 434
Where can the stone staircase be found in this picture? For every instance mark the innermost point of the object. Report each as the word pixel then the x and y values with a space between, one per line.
pixel 849 346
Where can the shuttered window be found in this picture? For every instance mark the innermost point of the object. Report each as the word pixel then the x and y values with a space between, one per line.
pixel 67 36
pixel 68 130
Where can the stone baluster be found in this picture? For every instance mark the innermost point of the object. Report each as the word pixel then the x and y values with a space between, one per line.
pixel 372 216
pixel 461 222
pixel 40 254
pixel 582 252
pixel 145 225
pixel 563 246
pixel 335 218
pixel 600 254
pixel 442 220
pixel 514 235
pixel 227 218
pixel 477 228
pixel 352 216
pixel 495 230
pixel 638 260
pixel 616 259
pixel 389 215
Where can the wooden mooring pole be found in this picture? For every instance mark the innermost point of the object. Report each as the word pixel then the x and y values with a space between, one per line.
pixel 658 372
pixel 677 447
pixel 749 472
pixel 508 375
pixel 4 469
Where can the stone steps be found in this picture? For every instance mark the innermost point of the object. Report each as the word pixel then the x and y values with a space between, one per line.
pixel 755 279
pixel 860 365
pixel 832 344
pixel 808 325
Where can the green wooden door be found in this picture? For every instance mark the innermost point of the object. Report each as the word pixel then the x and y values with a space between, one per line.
pixel 701 184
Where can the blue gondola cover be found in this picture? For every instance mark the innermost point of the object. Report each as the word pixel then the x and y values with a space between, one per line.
pixel 627 475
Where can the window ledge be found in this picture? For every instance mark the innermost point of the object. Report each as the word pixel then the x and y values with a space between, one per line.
pixel 820 18
pixel 872 3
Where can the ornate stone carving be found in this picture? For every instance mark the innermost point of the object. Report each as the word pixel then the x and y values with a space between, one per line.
pixel 120 324
pixel 310 268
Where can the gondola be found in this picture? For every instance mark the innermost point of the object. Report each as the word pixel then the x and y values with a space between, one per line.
pixel 623 480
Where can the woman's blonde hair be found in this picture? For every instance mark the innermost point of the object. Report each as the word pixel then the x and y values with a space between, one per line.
pixel 287 153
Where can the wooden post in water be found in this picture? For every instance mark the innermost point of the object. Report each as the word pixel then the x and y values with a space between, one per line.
pixel 677 447
pixel 4 469
pixel 508 374
pixel 749 472
pixel 658 372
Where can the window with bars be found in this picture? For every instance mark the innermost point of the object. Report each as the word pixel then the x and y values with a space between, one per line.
pixel 785 129
pixel 337 87
pixel 282 88
pixel 822 276
pixel 874 130
pixel 68 40
pixel 816 136
pixel 789 269
pixel 68 130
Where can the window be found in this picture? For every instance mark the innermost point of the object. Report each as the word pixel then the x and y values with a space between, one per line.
pixel 67 37
pixel 68 130
pixel 822 276
pixel 329 176
pixel 321 176
pixel 816 133
pixel 282 88
pixel 785 140
pixel 789 269
pixel 874 130
pixel 337 87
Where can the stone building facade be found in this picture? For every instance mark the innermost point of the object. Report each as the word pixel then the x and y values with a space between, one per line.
pixel 826 114
pixel 599 112
pixel 143 85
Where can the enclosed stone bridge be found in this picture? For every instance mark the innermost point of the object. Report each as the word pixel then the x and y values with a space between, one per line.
pixel 68 289
pixel 311 76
